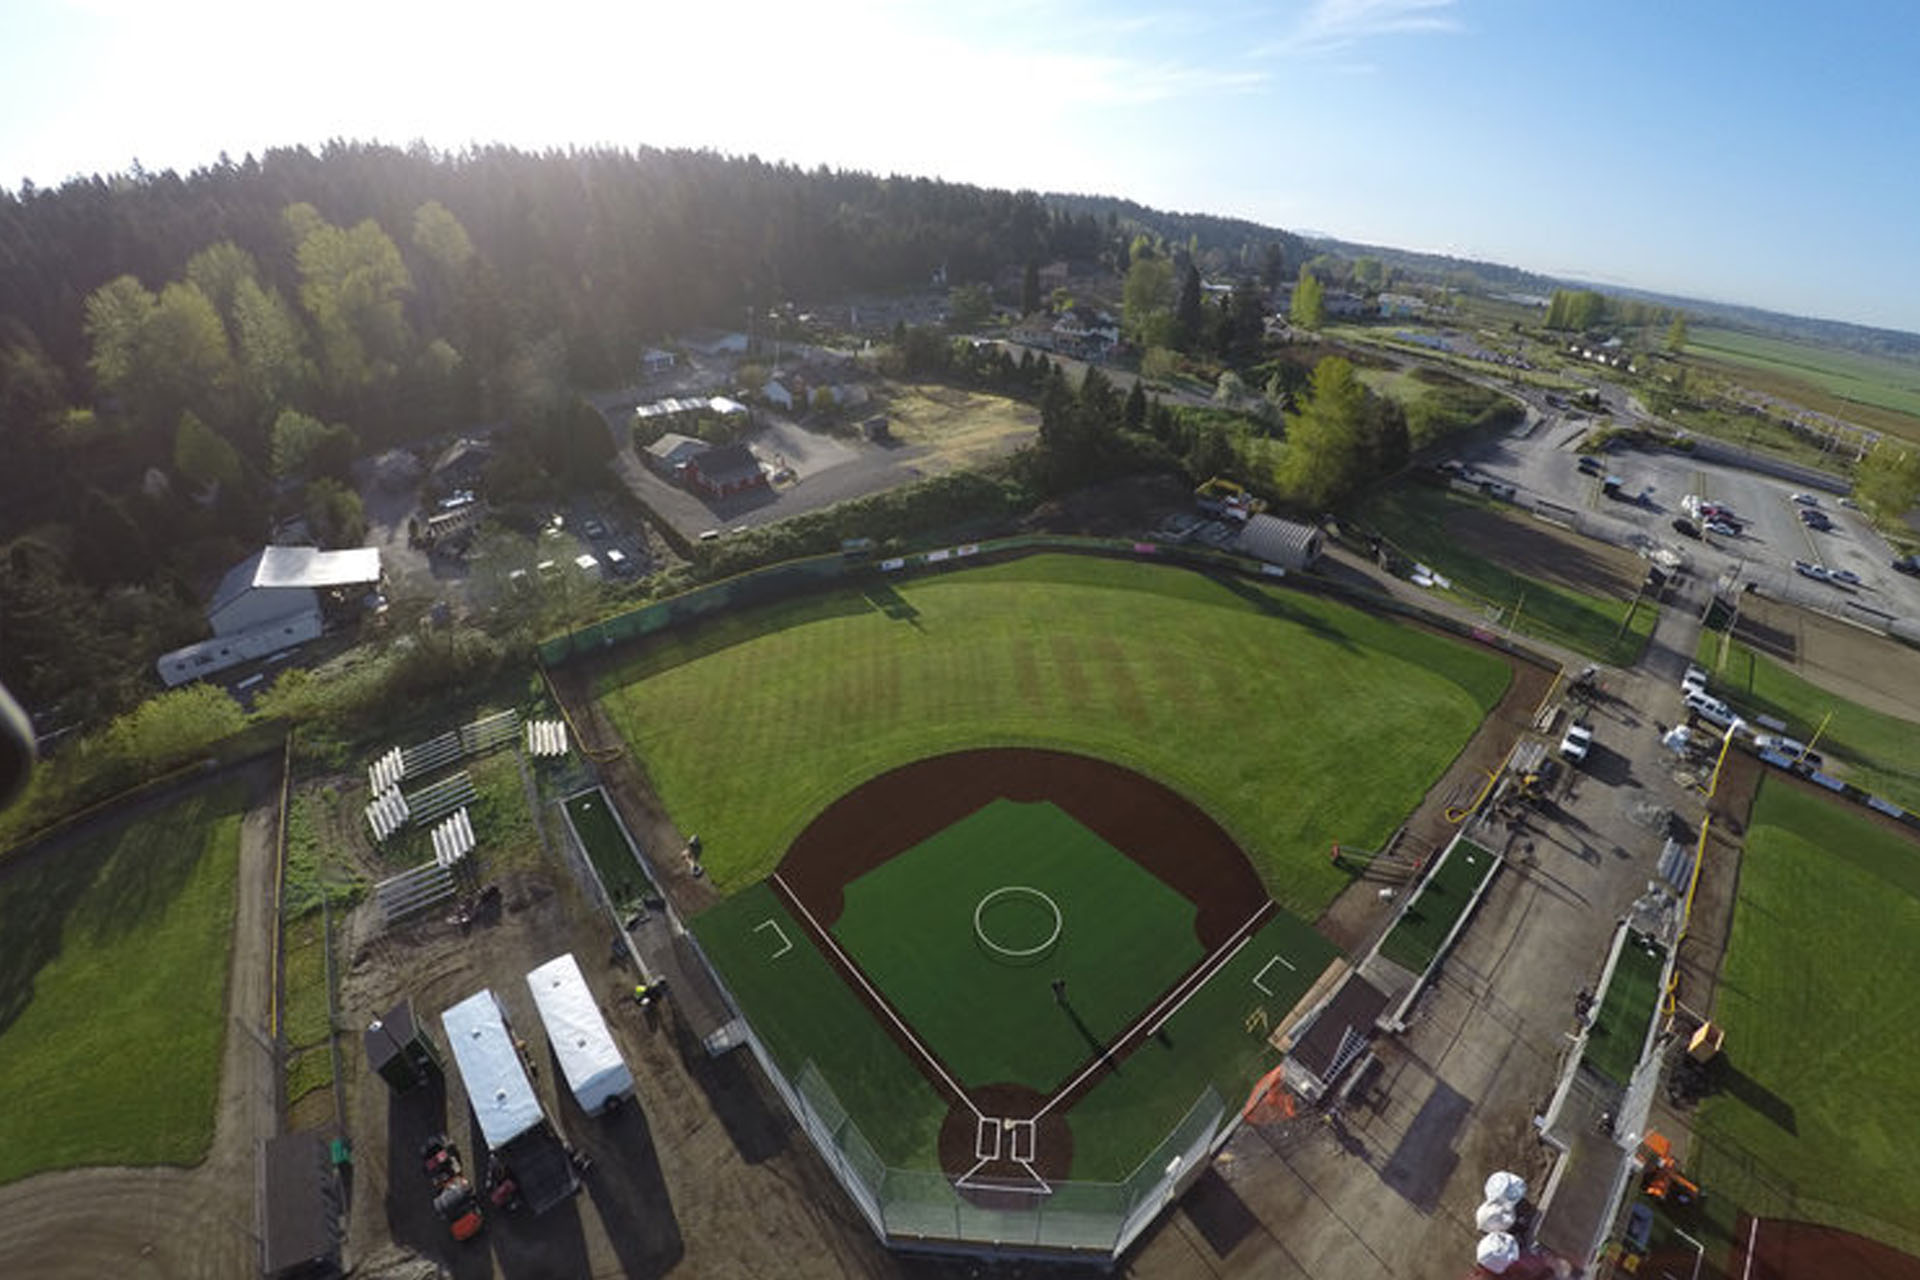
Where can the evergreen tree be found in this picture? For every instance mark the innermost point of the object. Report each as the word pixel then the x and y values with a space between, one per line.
pixel 1188 320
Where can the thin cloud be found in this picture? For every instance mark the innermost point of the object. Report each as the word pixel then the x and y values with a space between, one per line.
pixel 1332 25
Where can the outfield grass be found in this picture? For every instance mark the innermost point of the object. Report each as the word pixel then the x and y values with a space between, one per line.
pixel 607 847
pixel 1416 937
pixel 1619 1030
pixel 113 982
pixel 1817 999
pixel 1875 751
pixel 1414 518
pixel 1124 936
pixel 1292 720
pixel 803 1012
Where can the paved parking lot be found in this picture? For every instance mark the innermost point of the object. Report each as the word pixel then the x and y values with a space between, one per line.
pixel 1544 464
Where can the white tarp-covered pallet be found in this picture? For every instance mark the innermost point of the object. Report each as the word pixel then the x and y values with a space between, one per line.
pixel 546 737
pixel 453 839
pixel 588 1056
pixel 387 814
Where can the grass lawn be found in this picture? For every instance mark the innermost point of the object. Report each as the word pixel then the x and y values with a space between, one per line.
pixel 1123 937
pixel 1626 1010
pixel 1415 938
pixel 1218 1039
pixel 803 1012
pixel 606 844
pixel 502 820
pixel 1875 751
pixel 1414 518
pixel 113 987
pixel 1293 720
pixel 1817 996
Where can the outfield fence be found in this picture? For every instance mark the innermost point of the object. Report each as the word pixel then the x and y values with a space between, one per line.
pixel 921 1207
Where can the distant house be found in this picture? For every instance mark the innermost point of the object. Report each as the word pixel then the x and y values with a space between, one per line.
pixel 776 393
pixel 712 342
pixel 1401 305
pixel 1339 302
pixel 460 464
pixel 725 470
pixel 670 454
pixel 277 598
pixel 1084 332
pixel 654 362
pixel 722 407
pixel 1053 276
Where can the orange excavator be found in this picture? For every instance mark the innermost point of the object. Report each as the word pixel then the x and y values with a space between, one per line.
pixel 1663 1180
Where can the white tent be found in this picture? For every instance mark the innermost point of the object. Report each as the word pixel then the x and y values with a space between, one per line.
pixel 588 1056
pixel 1494 1215
pixel 1497 1251
pixel 503 1098
pixel 1508 1188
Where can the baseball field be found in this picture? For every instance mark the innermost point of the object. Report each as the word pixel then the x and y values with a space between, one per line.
pixel 1015 858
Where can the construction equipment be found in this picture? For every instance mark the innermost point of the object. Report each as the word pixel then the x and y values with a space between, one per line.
pixel 453 1197
pixel 1662 1179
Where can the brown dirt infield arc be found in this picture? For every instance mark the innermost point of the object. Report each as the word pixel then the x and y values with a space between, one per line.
pixel 1154 826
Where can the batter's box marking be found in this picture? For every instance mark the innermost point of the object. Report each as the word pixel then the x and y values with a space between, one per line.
pixel 986 1139
pixel 1268 965
pixel 786 943
pixel 1024 1139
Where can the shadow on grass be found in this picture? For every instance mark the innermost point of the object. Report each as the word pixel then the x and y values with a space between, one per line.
pixel 882 596
pixel 99 889
pixel 724 626
pixel 1757 1096
pixel 1273 607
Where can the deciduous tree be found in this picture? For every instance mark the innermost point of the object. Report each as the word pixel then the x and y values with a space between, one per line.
pixel 1309 309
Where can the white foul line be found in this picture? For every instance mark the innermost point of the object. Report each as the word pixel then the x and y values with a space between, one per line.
pixel 1178 997
pixel 885 1007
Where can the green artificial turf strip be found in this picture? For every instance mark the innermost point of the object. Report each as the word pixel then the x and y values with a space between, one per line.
pixel 1217 1039
pixel 802 1011
pixel 1626 1010
pixel 113 983
pixel 1416 937
pixel 1124 938
pixel 1414 519
pixel 1817 997
pixel 1875 751
pixel 607 847
pixel 1292 720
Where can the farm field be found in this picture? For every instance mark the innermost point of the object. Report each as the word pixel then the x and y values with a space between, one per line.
pixel 1415 939
pixel 1872 749
pixel 1820 1099
pixel 1626 1011
pixel 1842 381
pixel 1268 708
pixel 1568 590
pixel 113 984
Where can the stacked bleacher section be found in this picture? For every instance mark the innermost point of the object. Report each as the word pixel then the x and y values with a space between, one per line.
pixel 442 805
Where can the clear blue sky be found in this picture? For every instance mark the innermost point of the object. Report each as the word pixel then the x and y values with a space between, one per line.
pixel 1750 151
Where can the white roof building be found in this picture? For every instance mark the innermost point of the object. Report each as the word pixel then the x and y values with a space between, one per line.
pixel 502 1097
pixel 277 582
pixel 588 1056
pixel 1282 542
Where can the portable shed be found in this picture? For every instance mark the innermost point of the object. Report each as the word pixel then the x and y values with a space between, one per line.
pixel 400 1050
pixel 1282 542
pixel 589 1058
pixel 301 1217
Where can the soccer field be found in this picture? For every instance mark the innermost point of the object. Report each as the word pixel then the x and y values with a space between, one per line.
pixel 1057 902
pixel 1292 720
pixel 1817 998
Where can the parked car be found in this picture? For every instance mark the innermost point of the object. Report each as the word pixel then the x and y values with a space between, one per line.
pixel 1695 678
pixel 1709 708
pixel 1685 527
pixel 594 529
pixel 1906 564
pixel 1845 577
pixel 1577 742
pixel 1792 748
pixel 1589 464
pixel 1808 569
pixel 1805 499
pixel 1725 528
pixel 1815 520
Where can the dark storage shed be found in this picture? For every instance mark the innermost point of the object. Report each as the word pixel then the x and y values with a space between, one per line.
pixel 301 1218
pixel 399 1048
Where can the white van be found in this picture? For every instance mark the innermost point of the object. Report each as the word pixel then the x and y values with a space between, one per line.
pixel 618 561
pixel 1709 708
pixel 1695 681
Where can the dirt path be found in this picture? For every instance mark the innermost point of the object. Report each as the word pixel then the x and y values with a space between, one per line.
pixel 176 1224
